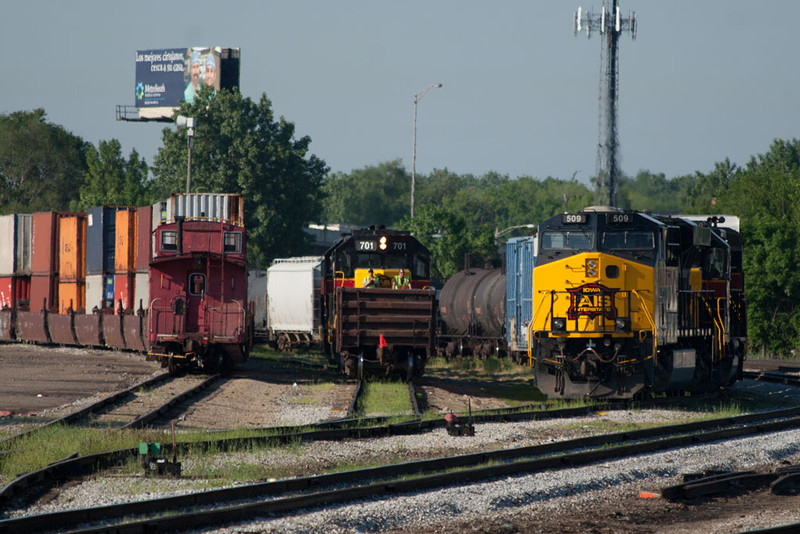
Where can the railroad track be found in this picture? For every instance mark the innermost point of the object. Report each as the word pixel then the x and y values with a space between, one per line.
pixel 288 496
pixel 777 377
pixel 30 485
pixel 135 407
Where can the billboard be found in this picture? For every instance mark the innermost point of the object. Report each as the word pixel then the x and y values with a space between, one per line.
pixel 165 77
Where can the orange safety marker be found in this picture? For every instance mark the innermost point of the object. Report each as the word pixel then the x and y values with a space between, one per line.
pixel 647 495
pixel 382 341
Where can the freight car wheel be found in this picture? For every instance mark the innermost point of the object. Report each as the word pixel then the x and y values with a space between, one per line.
pixel 211 361
pixel 172 365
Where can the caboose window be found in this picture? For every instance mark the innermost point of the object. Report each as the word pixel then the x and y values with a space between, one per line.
pixel 169 240
pixel 233 242
pixel 197 284
pixel 628 240
pixel 567 241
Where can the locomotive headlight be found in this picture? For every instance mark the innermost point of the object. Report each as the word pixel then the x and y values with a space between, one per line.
pixel 382 244
pixel 591 268
pixel 558 324
pixel 622 324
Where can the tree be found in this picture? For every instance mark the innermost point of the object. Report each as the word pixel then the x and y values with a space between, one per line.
pixel 372 195
pixel 239 147
pixel 444 232
pixel 110 180
pixel 41 164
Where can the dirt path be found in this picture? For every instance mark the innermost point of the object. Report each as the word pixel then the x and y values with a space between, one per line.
pixel 35 378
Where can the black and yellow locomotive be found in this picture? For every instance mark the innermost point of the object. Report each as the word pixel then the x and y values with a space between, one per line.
pixel 378 329
pixel 626 302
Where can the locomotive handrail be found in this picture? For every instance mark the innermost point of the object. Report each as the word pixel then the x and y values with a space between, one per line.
pixel 719 329
pixel 335 274
pixel 723 332
pixel 531 324
pixel 650 320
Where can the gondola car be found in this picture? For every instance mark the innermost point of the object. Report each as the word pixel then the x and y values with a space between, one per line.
pixel 626 302
pixel 377 330
pixel 198 287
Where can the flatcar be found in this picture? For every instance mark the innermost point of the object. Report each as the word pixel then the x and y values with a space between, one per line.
pixel 377 330
pixel 626 302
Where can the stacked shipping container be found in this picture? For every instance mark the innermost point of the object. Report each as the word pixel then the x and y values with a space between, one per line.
pixel 44 262
pixel 143 253
pixel 15 265
pixel 100 251
pixel 72 229
pixel 124 258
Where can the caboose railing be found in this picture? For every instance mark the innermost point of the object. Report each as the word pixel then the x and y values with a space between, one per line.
pixel 163 320
pixel 226 322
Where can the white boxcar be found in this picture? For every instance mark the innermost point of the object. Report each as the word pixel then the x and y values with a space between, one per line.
pixel 293 301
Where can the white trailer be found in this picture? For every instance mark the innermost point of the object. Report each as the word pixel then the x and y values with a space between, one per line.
pixel 293 301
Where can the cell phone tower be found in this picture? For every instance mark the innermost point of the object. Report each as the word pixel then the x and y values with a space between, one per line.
pixel 610 24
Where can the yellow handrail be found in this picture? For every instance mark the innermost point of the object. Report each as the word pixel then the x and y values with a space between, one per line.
pixel 650 320
pixel 530 327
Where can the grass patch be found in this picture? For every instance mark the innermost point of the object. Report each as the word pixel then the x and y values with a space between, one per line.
pixel 384 398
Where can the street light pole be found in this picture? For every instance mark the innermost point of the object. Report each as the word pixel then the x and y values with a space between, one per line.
pixel 187 122
pixel 499 233
pixel 417 98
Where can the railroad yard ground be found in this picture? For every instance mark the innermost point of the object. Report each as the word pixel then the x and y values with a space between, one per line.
pixel 44 383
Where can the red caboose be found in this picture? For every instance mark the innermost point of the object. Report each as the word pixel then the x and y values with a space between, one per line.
pixel 198 283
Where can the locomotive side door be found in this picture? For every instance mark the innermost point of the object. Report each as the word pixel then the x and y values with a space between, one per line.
pixel 196 290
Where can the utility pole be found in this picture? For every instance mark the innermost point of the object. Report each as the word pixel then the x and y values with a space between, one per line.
pixel 610 25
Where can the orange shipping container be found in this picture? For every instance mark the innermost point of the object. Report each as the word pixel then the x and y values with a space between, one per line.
pixel 71 294
pixel 72 247
pixel 124 253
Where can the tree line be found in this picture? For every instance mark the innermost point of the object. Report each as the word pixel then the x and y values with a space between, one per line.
pixel 239 146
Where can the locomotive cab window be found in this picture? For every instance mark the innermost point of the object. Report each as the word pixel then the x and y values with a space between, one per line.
pixel 169 240
pixel 233 242
pixel 715 263
pixel 197 284
pixel 628 240
pixel 554 240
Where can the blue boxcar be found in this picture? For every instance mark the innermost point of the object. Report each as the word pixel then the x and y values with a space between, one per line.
pixel 520 260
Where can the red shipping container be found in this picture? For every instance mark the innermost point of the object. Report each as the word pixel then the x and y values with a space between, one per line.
pixel 144 228
pixel 44 290
pixel 123 291
pixel 44 254
pixel 7 292
pixel 22 292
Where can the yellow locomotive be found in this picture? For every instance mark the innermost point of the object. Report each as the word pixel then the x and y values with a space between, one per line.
pixel 626 302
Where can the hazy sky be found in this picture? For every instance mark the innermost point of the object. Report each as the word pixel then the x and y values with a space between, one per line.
pixel 704 80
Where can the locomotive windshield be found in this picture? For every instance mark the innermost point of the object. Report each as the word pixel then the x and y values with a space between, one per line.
pixel 569 240
pixel 628 240
pixel 418 263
